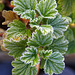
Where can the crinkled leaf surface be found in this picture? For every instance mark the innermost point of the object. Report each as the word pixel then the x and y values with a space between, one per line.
pixel 38 39
pixel 29 14
pixel 17 28
pixel 47 53
pixel 54 64
pixel 59 45
pixel 45 29
pixel 59 24
pixel 36 22
pixel 21 68
pixel 31 56
pixel 23 5
pixel 16 48
pixel 47 8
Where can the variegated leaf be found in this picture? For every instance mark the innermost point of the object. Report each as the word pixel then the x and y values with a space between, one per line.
pixel 37 22
pixel 29 14
pixel 31 56
pixel 45 29
pixel 15 48
pixel 59 24
pixel 47 8
pixel 17 28
pixel 54 64
pixel 21 68
pixel 59 45
pixel 23 5
pixel 47 53
pixel 38 39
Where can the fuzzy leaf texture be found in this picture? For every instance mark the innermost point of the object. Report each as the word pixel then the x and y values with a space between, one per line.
pixel 29 14
pixel 23 5
pixel 46 53
pixel 68 6
pixel 38 39
pixel 54 64
pixel 21 68
pixel 36 22
pixel 15 48
pixel 59 24
pixel 31 56
pixel 17 28
pixel 59 45
pixel 45 29
pixel 47 8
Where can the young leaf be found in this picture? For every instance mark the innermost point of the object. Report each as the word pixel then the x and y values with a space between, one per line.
pixel 31 56
pixel 23 5
pixel 59 24
pixel 47 53
pixel 29 14
pixel 17 28
pixel 21 68
pixel 47 8
pixel 37 22
pixel 59 45
pixel 45 29
pixel 15 48
pixel 38 39
pixel 54 64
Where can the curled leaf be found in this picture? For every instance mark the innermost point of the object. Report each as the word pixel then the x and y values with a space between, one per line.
pixel 9 16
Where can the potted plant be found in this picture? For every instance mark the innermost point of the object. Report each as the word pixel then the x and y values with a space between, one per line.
pixel 40 40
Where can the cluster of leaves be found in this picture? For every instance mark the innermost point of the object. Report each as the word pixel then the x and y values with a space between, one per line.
pixel 67 8
pixel 44 40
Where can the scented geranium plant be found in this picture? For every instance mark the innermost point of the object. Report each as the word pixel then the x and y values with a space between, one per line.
pixel 40 41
